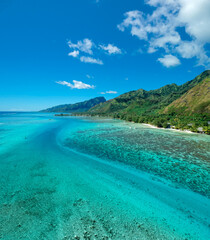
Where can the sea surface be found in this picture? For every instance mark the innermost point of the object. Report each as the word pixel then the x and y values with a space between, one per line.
pixel 96 178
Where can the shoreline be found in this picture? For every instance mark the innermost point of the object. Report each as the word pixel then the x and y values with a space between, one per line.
pixel 145 124
pixel 172 129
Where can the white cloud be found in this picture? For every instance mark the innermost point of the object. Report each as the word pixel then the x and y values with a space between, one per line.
pixel 111 49
pixel 87 46
pixel 109 92
pixel 196 15
pixel 164 41
pixel 169 61
pixel 90 60
pixel 135 20
pixel 160 29
pixel 189 49
pixel 151 50
pixel 84 46
pixel 75 53
pixel 76 85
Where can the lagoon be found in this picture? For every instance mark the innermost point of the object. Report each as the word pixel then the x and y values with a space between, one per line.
pixel 94 178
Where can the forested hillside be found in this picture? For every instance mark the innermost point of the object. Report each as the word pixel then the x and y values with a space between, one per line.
pixel 184 107
pixel 77 107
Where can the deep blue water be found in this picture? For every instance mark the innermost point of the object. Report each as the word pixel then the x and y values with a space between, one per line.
pixel 80 178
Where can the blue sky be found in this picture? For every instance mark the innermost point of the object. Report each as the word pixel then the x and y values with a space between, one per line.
pixel 55 52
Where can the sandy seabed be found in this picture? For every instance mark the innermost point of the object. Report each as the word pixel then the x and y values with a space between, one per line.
pixel 51 189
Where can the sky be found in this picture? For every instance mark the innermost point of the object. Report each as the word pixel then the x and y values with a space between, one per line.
pixel 56 52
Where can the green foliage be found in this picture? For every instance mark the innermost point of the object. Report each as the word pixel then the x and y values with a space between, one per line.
pixel 146 102
pixel 149 107
pixel 194 101
pixel 202 108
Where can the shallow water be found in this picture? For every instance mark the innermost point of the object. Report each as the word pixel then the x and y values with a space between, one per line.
pixel 70 178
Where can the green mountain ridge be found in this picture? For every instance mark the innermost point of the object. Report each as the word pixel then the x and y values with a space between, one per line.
pixel 195 101
pixel 161 107
pixel 141 101
pixel 77 107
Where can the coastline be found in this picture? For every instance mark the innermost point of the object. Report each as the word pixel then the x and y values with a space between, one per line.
pixel 145 124
pixel 172 129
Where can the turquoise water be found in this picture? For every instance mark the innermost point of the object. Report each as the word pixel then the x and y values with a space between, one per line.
pixel 80 178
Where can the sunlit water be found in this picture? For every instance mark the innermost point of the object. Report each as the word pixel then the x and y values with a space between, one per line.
pixel 71 178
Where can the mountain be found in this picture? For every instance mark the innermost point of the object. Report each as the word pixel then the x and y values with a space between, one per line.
pixel 77 107
pixel 195 101
pixel 141 102
pixel 183 107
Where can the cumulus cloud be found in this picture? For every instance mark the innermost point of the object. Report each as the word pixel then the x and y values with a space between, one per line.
pixel 76 85
pixel 160 28
pixel 85 45
pixel 111 49
pixel 88 48
pixel 91 60
pixel 195 15
pixel 75 53
pixel 109 92
pixel 189 49
pixel 169 61
pixel 134 20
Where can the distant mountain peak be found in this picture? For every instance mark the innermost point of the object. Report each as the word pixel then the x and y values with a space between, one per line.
pixel 76 107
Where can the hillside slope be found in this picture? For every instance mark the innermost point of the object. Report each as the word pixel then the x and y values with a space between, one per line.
pixel 195 101
pixel 182 107
pixel 141 102
pixel 77 107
